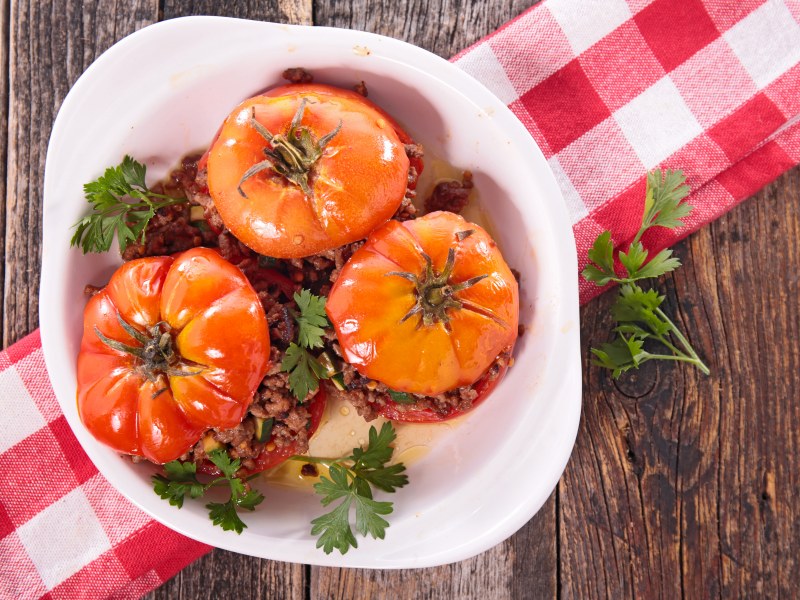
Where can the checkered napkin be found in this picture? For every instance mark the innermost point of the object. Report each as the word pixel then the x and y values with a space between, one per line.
pixel 608 88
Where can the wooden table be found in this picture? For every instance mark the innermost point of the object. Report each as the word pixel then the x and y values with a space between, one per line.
pixel 680 485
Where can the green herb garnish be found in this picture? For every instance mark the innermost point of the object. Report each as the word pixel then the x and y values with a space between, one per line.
pixel 304 368
pixel 351 481
pixel 637 312
pixel 181 480
pixel 122 203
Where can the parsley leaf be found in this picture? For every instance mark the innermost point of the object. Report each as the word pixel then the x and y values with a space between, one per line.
pixel 312 319
pixel 180 479
pixel 350 481
pixel 637 312
pixel 304 370
pixel 113 211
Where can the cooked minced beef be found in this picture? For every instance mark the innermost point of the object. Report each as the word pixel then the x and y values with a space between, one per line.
pixel 361 89
pixel 297 75
pixel 367 396
pixel 451 196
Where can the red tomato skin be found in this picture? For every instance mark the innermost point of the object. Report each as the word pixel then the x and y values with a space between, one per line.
pixel 268 459
pixel 357 184
pixel 200 296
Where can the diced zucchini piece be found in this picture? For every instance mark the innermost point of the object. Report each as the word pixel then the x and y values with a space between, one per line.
pixel 264 429
pixel 329 364
pixel 338 381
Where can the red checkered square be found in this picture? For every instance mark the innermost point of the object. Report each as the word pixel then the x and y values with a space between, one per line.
pixel 739 133
pixel 157 548
pixel 623 214
pixel 81 466
pixel 30 343
pixel 94 580
pixel 756 170
pixel 6 526
pixel 603 150
pixel 565 106
pixel 30 368
pixel 713 83
pixel 700 160
pixel 32 495
pixel 525 118
pixel 676 30
pixel 20 579
pixel 726 14
pixel 784 91
pixel 119 518
pixel 524 38
pixel 621 66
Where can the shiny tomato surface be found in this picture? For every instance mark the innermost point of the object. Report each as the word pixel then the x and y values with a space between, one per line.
pixel 356 184
pixel 375 305
pixel 278 454
pixel 201 312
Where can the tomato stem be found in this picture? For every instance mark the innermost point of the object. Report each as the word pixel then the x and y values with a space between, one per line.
pixel 156 353
pixel 292 155
pixel 435 292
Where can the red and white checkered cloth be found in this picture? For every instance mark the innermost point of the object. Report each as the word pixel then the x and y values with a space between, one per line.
pixel 608 88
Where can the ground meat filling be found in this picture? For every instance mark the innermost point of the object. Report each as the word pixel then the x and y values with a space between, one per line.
pixel 451 196
pixel 367 396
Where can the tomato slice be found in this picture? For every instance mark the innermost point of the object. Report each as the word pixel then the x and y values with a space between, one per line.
pixel 272 458
pixel 408 414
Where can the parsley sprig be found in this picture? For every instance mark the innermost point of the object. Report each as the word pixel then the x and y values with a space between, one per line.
pixel 351 481
pixel 122 203
pixel 637 311
pixel 304 368
pixel 181 480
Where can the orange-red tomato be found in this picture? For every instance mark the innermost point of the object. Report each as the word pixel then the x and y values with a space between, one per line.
pixel 419 328
pixel 171 347
pixel 328 198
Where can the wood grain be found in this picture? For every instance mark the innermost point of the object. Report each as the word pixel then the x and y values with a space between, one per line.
pixel 4 81
pixel 51 44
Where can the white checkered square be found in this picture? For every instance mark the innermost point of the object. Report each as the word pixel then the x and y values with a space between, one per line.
pixel 18 576
pixel 602 150
pixel 119 518
pixel 63 538
pixel 483 65
pixel 20 415
pixel 575 206
pixel 767 41
pixel 657 122
pixel 586 22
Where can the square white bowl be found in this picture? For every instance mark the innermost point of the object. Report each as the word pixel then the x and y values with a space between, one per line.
pixel 162 93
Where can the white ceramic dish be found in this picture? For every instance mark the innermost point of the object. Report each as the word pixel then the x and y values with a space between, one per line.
pixel 161 93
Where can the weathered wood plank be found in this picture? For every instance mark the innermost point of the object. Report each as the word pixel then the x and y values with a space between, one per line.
pixel 445 28
pixel 4 80
pixel 51 44
pixel 297 12
pixel 685 485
